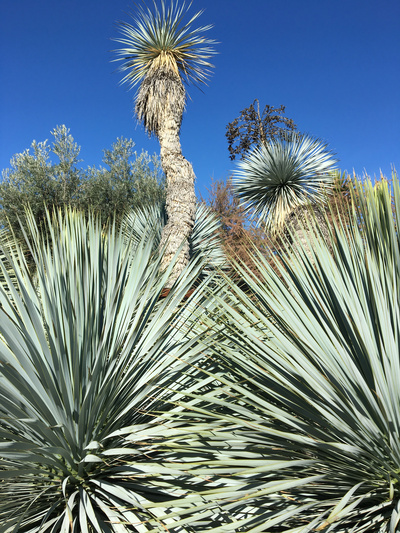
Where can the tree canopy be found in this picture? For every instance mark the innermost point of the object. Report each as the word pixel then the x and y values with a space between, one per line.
pixel 252 128
pixel 49 176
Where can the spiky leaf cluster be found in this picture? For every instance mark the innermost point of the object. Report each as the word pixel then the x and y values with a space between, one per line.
pixel 88 353
pixel 283 174
pixel 312 368
pixel 272 409
pixel 160 50
pixel 161 36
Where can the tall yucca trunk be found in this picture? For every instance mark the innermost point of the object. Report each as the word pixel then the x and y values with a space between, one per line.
pixel 181 198
pixel 160 104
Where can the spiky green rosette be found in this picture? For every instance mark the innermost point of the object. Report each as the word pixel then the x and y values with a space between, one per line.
pixel 161 51
pixel 89 438
pixel 283 174
pixel 313 360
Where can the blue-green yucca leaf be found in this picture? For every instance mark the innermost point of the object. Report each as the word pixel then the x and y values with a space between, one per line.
pixel 312 364
pixel 7 243
pixel 283 174
pixel 88 349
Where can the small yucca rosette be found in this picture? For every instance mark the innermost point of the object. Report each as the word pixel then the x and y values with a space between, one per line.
pixel 283 174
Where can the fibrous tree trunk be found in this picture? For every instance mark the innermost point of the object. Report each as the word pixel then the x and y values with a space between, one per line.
pixel 160 104
pixel 180 202
pixel 180 178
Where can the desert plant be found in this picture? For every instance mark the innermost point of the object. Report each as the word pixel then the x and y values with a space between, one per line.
pixel 312 368
pixel 121 412
pixel 279 179
pixel 92 363
pixel 161 51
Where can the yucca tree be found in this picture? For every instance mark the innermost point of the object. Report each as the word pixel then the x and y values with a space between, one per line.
pixel 312 377
pixel 93 366
pixel 280 179
pixel 160 52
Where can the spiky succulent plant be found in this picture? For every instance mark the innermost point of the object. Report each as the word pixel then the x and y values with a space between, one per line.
pixel 312 377
pixel 160 51
pixel 275 409
pixel 283 174
pixel 91 365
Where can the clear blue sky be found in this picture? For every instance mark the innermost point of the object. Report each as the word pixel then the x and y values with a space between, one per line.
pixel 334 64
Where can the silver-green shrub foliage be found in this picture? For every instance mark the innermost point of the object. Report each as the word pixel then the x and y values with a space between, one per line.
pixel 49 176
